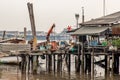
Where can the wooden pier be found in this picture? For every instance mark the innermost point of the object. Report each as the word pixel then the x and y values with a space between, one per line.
pixel 55 61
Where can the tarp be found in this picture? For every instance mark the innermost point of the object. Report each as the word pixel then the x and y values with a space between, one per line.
pixel 89 30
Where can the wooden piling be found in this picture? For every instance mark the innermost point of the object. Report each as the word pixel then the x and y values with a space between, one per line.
pixel 112 70
pixel 23 63
pixel 108 65
pixel 69 62
pixel 3 37
pixel 25 32
pixel 54 62
pixel 27 64
pixel 59 63
pixel 116 64
pixel 35 64
pixel 82 59
pixel 50 62
pixel 88 63
pixel 46 62
pixel 92 63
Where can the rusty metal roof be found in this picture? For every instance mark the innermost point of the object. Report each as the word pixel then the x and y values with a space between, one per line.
pixel 108 19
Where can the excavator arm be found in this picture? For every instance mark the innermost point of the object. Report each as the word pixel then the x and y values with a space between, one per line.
pixel 49 32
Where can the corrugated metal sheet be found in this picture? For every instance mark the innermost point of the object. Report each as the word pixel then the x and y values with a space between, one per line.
pixel 116 29
pixel 90 30
pixel 109 19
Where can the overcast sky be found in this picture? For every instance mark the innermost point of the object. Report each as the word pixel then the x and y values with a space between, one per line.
pixel 14 13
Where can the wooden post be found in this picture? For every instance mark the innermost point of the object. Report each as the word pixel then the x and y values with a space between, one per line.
pixel 23 63
pixel 25 33
pixel 112 71
pixel 35 64
pixel 69 63
pixel 50 62
pixel 30 63
pixel 77 63
pixel 3 35
pixel 46 62
pixel 116 63
pixel 77 59
pixel 92 63
pixel 82 59
pixel 54 62
pixel 59 64
pixel 27 64
pixel 108 65
pixel 88 63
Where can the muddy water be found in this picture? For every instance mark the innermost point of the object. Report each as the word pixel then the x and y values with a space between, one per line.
pixel 12 72
pixel 8 72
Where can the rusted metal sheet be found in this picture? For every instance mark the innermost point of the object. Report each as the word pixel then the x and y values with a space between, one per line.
pixel 116 29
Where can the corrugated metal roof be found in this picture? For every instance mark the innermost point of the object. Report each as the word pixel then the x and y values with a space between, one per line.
pixel 109 19
pixel 89 30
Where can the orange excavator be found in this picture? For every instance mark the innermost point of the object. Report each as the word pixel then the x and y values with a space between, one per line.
pixel 54 44
pixel 49 32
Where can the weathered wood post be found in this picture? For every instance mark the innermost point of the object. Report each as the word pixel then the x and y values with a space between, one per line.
pixel 69 62
pixel 30 63
pixel 82 59
pixel 46 62
pixel 35 64
pixel 34 44
pixel 59 63
pixel 27 64
pixel 25 32
pixel 88 63
pixel 3 37
pixel 77 58
pixel 116 63
pixel 105 64
pixel 92 63
pixel 54 62
pixel 108 64
pixel 112 70
pixel 23 63
pixel 77 63
pixel 49 62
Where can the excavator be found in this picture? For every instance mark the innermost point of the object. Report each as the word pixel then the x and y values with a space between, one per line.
pixel 49 45
pixel 54 44
pixel 49 32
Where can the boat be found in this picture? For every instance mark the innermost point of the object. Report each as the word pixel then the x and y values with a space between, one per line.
pixel 10 60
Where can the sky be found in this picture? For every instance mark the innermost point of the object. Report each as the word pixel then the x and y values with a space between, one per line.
pixel 14 13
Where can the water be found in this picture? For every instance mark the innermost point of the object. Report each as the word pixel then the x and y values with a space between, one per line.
pixel 8 72
pixel 13 72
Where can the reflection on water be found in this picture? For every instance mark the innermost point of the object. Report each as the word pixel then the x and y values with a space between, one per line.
pixel 12 72
pixel 8 72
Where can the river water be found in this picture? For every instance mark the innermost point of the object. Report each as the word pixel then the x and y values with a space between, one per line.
pixel 13 72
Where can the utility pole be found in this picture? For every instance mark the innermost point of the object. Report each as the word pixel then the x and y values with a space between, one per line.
pixel 83 15
pixel 77 17
pixel 103 7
